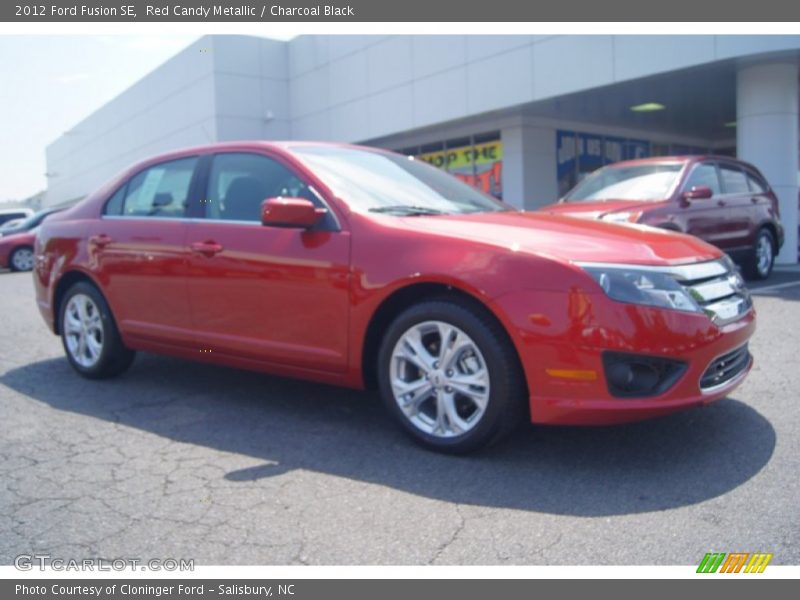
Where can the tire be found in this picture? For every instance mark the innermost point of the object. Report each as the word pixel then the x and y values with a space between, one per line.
pixel 487 398
pixel 762 258
pixel 89 334
pixel 21 259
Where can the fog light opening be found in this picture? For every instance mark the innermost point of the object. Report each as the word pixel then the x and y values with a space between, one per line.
pixel 630 375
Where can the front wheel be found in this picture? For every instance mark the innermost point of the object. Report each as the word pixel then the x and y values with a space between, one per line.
pixel 450 377
pixel 89 334
pixel 759 264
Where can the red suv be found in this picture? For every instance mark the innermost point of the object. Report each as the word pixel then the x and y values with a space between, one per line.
pixel 360 267
pixel 723 201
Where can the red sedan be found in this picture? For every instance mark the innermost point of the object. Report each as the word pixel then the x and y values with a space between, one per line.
pixel 360 267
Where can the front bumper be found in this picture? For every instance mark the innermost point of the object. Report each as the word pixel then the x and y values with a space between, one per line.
pixel 561 339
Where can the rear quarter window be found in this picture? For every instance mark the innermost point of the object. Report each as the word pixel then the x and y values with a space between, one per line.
pixel 114 204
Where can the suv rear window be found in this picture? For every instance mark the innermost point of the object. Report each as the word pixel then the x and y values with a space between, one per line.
pixel 733 180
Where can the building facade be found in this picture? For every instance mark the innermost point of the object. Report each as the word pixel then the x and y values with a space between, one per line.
pixel 522 117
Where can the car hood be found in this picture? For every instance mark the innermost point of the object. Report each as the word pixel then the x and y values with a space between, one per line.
pixel 570 239
pixel 15 238
pixel 597 208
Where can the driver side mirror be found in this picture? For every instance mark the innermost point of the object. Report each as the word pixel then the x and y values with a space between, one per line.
pixel 698 192
pixel 290 212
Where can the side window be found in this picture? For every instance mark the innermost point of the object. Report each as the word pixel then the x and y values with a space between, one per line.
pixel 704 174
pixel 239 182
pixel 733 180
pixel 757 185
pixel 114 204
pixel 160 191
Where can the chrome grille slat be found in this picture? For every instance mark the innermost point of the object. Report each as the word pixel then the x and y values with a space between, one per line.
pixel 725 368
pixel 716 287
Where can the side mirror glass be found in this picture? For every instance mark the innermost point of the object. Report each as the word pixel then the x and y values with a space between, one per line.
pixel 290 212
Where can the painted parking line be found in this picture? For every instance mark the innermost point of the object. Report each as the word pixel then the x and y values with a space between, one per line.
pixel 772 288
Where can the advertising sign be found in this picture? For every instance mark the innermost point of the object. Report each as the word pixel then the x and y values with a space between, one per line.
pixel 480 165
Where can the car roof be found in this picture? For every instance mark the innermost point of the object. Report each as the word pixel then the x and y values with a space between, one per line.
pixel 677 159
pixel 251 144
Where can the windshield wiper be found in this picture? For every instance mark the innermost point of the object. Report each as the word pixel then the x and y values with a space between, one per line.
pixel 407 210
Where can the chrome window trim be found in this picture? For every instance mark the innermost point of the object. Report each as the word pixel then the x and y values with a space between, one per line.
pixel 191 220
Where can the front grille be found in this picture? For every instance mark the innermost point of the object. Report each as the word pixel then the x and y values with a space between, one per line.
pixel 717 287
pixel 725 368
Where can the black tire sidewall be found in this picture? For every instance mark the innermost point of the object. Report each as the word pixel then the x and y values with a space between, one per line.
pixel 501 394
pixel 753 271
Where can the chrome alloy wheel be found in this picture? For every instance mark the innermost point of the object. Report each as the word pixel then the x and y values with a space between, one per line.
pixel 763 254
pixel 439 379
pixel 22 260
pixel 83 330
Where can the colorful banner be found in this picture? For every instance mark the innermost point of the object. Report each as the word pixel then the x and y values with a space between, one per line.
pixel 480 165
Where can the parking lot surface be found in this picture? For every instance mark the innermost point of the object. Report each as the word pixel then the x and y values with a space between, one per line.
pixel 183 460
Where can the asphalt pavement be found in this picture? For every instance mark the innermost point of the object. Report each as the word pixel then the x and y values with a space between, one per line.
pixel 182 460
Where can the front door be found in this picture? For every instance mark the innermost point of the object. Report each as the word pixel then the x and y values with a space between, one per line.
pixel 271 294
pixel 706 218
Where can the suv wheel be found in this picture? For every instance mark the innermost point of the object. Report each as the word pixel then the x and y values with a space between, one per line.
pixel 759 265
pixel 450 377
pixel 89 334
pixel 21 259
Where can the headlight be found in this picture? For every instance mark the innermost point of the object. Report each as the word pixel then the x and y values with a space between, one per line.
pixel 642 286
pixel 621 217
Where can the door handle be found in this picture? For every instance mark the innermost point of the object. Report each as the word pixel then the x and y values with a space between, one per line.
pixel 720 202
pixel 208 248
pixel 101 240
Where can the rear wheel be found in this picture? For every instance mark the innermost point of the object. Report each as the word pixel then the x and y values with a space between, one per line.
pixel 759 264
pixel 89 334
pixel 450 377
pixel 21 259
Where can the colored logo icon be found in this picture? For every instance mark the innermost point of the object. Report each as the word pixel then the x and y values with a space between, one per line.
pixel 734 562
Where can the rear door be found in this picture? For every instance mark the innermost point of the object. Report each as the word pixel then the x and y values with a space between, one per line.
pixel 276 295
pixel 140 253
pixel 739 200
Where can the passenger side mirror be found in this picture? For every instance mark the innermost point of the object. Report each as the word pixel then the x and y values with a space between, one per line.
pixel 290 212
pixel 698 192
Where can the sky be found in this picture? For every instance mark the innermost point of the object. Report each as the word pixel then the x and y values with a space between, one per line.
pixel 49 83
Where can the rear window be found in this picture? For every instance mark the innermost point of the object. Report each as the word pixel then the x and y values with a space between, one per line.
pixel 158 191
pixel 733 180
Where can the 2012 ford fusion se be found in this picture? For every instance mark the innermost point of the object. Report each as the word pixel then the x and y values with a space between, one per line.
pixel 360 267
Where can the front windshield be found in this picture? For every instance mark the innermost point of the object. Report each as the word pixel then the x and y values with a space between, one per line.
pixel 393 184
pixel 634 182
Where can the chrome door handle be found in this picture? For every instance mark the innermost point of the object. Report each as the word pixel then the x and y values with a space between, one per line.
pixel 100 240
